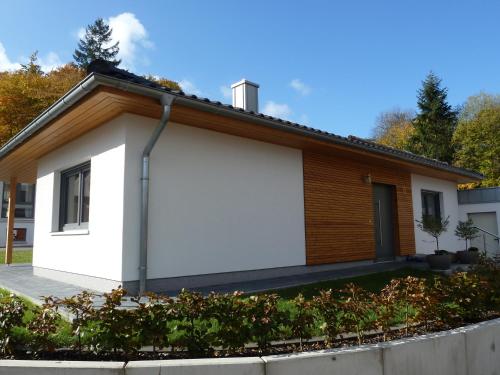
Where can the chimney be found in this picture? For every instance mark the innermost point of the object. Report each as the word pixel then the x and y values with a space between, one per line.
pixel 246 95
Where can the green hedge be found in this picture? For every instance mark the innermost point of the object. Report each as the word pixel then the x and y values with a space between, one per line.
pixel 201 324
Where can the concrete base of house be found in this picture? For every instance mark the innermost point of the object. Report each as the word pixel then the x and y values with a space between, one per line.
pixel 289 276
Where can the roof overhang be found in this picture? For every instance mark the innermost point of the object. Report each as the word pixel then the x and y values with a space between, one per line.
pixel 99 98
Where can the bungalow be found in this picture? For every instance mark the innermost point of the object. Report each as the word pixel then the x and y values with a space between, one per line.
pixel 148 187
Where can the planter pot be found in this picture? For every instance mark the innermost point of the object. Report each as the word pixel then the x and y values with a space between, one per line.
pixel 468 257
pixel 439 262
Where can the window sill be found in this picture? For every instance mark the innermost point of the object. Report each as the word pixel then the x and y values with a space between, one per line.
pixel 72 232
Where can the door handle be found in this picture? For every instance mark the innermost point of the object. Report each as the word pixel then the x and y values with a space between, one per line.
pixel 380 223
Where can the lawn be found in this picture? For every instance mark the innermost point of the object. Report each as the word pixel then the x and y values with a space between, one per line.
pixel 24 255
pixel 373 282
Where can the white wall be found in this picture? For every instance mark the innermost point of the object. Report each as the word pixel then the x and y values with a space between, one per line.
pixel 96 252
pixel 218 203
pixel 449 207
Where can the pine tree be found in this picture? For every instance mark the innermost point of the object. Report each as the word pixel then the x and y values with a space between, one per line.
pixel 435 122
pixel 96 45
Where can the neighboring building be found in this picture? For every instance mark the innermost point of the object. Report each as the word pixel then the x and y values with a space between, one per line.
pixel 233 194
pixel 483 207
pixel 25 209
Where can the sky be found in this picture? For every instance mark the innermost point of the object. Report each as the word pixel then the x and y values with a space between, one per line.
pixel 332 65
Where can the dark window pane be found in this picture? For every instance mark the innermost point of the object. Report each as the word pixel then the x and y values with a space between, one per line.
pixel 86 196
pixel 431 204
pixel 72 188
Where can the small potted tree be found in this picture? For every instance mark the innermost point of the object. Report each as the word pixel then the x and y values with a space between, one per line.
pixel 435 227
pixel 466 231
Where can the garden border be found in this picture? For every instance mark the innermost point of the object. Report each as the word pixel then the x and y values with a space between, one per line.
pixel 469 350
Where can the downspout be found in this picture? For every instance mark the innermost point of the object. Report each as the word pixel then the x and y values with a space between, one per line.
pixel 166 102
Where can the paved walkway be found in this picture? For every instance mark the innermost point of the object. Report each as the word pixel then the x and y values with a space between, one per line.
pixel 19 279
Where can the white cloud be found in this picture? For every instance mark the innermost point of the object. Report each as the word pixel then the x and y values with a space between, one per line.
pixel 132 36
pixel 226 92
pixel 300 87
pixel 189 87
pixel 277 110
pixel 5 63
pixel 48 62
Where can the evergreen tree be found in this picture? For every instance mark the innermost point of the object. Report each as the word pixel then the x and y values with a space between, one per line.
pixel 96 45
pixel 435 122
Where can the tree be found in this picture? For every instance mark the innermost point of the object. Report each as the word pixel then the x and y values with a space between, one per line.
pixel 477 143
pixel 394 128
pixel 475 104
pixel 96 44
pixel 465 230
pixel 163 81
pixel 477 138
pixel 433 226
pixel 25 93
pixel 435 122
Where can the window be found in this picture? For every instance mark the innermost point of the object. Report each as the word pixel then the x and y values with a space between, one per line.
pixel 25 200
pixel 75 198
pixel 431 204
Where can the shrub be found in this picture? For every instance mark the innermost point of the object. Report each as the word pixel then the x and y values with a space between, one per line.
pixel 114 327
pixel 469 294
pixel 193 323
pixel 302 319
pixel 386 306
pixel 81 306
pixel 329 311
pixel 265 319
pixel 231 313
pixel 12 310
pixel 44 325
pixel 489 271
pixel 355 307
pixel 152 317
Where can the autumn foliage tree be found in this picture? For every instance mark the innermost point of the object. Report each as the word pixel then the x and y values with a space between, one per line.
pixel 394 128
pixel 27 92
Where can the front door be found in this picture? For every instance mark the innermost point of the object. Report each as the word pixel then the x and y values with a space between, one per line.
pixel 383 208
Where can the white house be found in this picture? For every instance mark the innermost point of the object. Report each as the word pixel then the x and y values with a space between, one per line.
pixel 483 207
pixel 24 212
pixel 151 188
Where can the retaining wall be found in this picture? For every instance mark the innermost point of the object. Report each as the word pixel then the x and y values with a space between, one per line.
pixel 472 350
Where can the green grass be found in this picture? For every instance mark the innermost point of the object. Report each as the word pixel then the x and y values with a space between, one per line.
pixel 372 282
pixel 18 256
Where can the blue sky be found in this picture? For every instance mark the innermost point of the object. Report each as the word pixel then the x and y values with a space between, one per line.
pixel 333 65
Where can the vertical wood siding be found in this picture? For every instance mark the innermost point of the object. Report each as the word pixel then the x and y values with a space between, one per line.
pixel 339 209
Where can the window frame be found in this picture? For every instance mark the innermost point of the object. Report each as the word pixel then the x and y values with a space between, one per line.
pixel 79 170
pixel 437 203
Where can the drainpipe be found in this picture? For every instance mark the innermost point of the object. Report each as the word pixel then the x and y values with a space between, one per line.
pixel 166 102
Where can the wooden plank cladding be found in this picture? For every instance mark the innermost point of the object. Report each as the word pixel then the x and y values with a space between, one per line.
pixel 339 209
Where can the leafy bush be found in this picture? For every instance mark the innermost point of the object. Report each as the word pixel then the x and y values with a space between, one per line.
pixel 265 319
pixel 113 327
pixel 44 325
pixel 302 319
pixel 151 319
pixel 193 323
pixel 328 309
pixel 12 310
pixel 355 307
pixel 231 314
pixel 200 324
